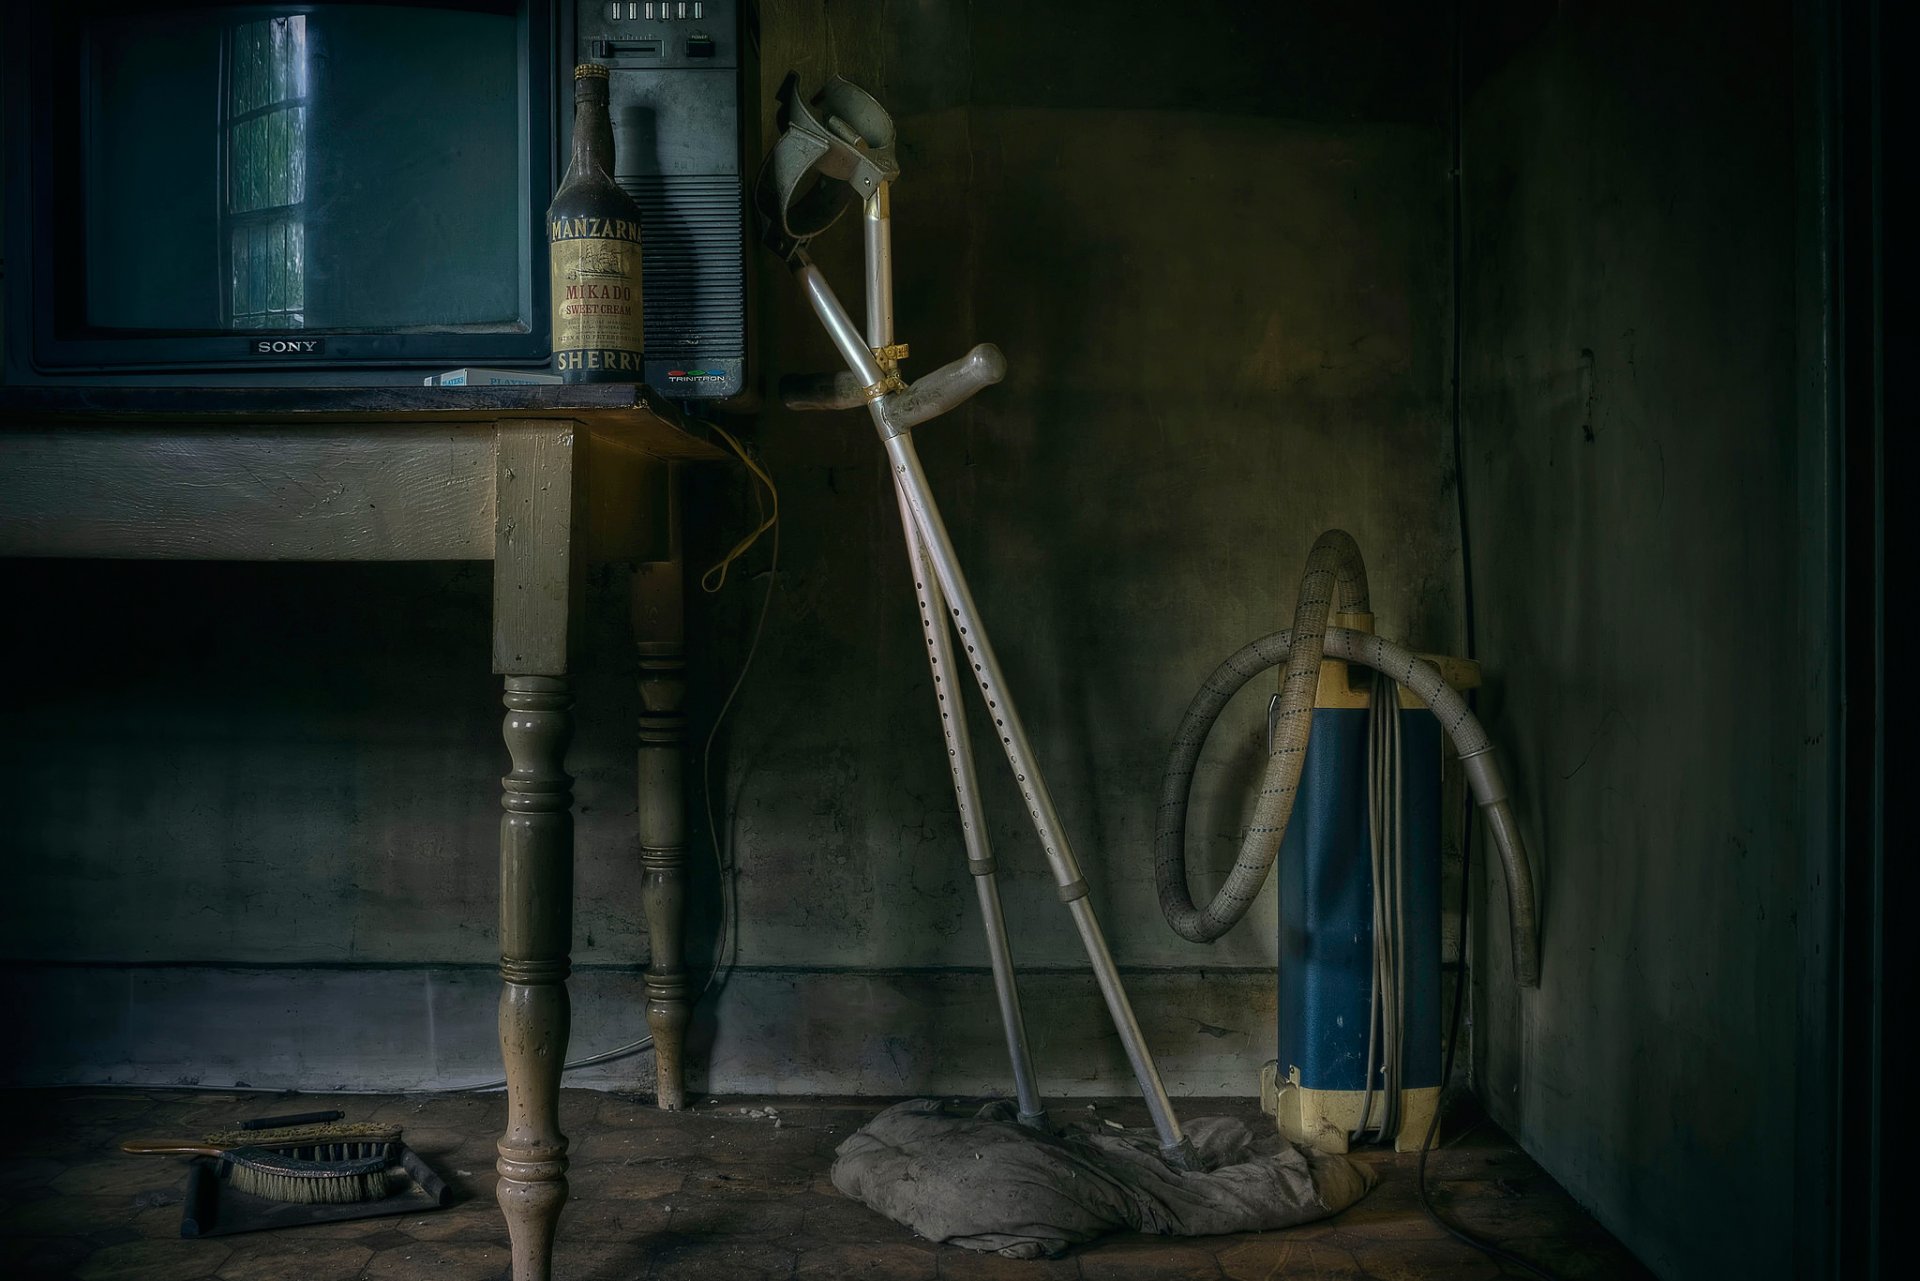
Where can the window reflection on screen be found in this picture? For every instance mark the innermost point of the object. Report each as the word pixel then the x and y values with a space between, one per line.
pixel 265 136
pixel 330 167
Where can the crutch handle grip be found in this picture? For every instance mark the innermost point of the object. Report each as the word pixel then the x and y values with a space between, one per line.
pixel 822 391
pixel 946 388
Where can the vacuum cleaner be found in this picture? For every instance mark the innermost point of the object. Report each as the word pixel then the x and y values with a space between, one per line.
pixel 1349 808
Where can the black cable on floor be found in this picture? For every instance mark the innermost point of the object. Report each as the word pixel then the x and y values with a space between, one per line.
pixel 1498 1253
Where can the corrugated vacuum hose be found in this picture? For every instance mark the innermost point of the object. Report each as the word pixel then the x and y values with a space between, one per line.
pixel 1334 564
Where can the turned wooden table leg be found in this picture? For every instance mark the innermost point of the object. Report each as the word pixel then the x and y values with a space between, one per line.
pixel 536 935
pixel 659 637
pixel 536 563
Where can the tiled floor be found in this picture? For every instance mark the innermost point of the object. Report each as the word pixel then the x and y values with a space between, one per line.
pixel 714 1194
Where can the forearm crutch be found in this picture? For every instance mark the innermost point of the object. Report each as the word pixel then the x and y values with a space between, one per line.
pixel 830 153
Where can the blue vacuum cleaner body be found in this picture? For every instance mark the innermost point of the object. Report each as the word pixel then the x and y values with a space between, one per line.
pixel 1318 1083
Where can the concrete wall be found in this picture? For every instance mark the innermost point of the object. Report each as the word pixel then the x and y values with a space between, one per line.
pixel 255 807
pixel 1635 479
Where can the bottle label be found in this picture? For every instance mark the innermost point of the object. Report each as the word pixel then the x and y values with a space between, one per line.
pixel 596 295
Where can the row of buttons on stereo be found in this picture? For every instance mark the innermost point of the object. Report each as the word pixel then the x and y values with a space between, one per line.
pixel 663 10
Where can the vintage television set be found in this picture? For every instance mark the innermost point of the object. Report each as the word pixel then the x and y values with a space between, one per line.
pixel 205 193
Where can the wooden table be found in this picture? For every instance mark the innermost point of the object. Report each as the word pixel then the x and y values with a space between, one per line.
pixel 539 480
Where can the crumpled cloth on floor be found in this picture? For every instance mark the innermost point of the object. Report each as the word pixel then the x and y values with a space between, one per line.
pixel 982 1180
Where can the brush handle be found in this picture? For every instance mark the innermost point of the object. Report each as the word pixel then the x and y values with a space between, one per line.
pixel 170 1147
pixel 297 1118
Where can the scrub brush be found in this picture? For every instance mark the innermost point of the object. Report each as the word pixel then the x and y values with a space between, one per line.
pixel 317 1165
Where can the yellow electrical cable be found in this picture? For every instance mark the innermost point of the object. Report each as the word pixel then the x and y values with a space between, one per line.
pixel 708 581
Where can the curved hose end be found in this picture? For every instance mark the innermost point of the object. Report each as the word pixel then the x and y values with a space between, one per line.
pixel 1526 963
pixel 1523 926
pixel 1523 920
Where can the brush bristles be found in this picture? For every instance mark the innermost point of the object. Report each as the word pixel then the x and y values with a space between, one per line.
pixel 309 1189
pixel 313 1175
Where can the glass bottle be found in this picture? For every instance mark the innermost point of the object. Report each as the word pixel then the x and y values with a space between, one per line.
pixel 593 248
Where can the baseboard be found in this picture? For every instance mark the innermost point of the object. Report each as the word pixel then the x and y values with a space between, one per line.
pixel 771 1031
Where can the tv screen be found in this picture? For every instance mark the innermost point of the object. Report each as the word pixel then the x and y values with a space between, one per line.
pixel 340 168
pixel 312 191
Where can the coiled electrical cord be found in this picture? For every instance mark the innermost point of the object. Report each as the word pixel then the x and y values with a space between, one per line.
pixel 1387 989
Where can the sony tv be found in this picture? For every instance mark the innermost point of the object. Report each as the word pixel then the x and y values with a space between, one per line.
pixel 204 193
